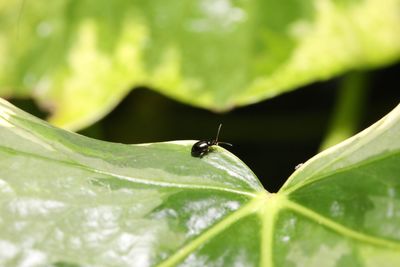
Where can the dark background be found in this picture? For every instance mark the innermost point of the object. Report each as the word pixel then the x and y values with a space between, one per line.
pixel 271 137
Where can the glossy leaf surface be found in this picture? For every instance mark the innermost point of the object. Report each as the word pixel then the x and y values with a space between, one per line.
pixel 67 200
pixel 80 58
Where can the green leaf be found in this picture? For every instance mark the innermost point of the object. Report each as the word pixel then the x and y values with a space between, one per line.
pixel 68 200
pixel 80 58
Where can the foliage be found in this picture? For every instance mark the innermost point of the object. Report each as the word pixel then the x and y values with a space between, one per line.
pixel 68 200
pixel 80 58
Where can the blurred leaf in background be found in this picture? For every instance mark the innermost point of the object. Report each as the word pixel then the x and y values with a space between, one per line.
pixel 78 59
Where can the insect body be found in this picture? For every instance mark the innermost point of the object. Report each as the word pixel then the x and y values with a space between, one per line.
pixel 201 148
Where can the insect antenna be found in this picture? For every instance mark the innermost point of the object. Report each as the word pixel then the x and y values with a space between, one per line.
pixel 215 142
pixel 224 143
pixel 216 138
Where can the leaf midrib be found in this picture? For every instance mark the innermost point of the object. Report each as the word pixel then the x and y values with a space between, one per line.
pixel 249 208
pixel 268 206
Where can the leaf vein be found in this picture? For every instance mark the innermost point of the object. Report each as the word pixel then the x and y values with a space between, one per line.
pixel 339 228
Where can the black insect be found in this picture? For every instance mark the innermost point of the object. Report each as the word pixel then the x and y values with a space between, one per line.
pixel 200 148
